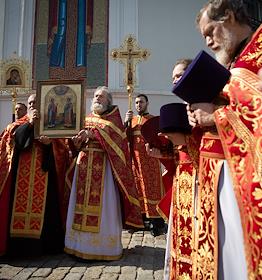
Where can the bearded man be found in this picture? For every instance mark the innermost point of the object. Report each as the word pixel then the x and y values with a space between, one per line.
pixel 32 200
pixel 228 241
pixel 102 179
pixel 147 170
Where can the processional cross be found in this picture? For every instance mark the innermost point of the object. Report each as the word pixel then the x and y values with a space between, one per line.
pixel 14 96
pixel 130 54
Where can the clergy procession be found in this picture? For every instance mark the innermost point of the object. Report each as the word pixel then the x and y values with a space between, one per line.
pixel 76 182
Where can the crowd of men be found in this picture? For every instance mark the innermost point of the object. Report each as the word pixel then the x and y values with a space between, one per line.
pixel 78 194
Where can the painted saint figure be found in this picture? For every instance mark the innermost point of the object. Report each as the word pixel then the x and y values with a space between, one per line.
pixel 15 78
pixel 51 113
pixel 68 113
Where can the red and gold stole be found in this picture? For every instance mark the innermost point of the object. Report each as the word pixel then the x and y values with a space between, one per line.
pixel 182 247
pixel 90 183
pixel 206 240
pixel 30 194
pixel 240 129
pixel 238 125
pixel 111 143
pixel 147 171
pixel 31 189
pixel 193 142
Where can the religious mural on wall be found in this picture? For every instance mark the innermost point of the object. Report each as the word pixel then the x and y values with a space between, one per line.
pixel 71 41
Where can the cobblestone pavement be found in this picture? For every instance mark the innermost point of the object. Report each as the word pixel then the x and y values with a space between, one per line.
pixel 143 259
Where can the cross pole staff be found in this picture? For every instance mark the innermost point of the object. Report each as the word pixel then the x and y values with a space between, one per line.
pixel 130 54
pixel 14 95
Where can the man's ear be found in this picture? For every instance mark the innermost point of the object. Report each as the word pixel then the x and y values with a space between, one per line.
pixel 229 17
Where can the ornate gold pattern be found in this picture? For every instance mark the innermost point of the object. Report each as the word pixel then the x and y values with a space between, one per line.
pixel 255 56
pixel 114 146
pixel 30 198
pixel 182 251
pixel 113 131
pixel 93 240
pixel 239 127
pixel 205 263
pixel 130 54
pixel 97 120
pixel 90 187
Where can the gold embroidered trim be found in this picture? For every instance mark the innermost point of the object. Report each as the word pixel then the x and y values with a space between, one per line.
pixel 162 214
pixel 254 57
pixel 86 209
pixel 28 215
pixel 91 256
pixel 114 146
pixel 212 155
pixel 247 77
pixel 99 120
pixel 130 198
pixel 243 133
pixel 206 242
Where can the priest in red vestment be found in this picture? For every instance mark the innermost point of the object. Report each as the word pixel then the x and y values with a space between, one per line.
pixel 32 200
pixel 147 170
pixel 103 197
pixel 229 241
pixel 183 163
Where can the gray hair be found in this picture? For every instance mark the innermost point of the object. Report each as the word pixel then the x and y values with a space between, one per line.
pixel 108 94
pixel 218 9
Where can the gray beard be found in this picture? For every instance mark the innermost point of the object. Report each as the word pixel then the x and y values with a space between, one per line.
pixel 226 55
pixel 98 108
pixel 223 58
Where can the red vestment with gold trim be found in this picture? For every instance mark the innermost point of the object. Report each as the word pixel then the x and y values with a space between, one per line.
pixel 182 197
pixel 239 128
pixel 111 143
pixel 146 170
pixel 30 186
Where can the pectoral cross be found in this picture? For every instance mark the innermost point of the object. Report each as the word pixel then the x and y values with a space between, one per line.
pixel 130 54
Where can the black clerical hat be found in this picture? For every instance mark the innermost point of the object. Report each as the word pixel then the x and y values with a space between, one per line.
pixel 150 130
pixel 203 80
pixel 173 118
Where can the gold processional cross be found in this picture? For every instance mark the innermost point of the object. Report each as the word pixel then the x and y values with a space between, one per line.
pixel 130 54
